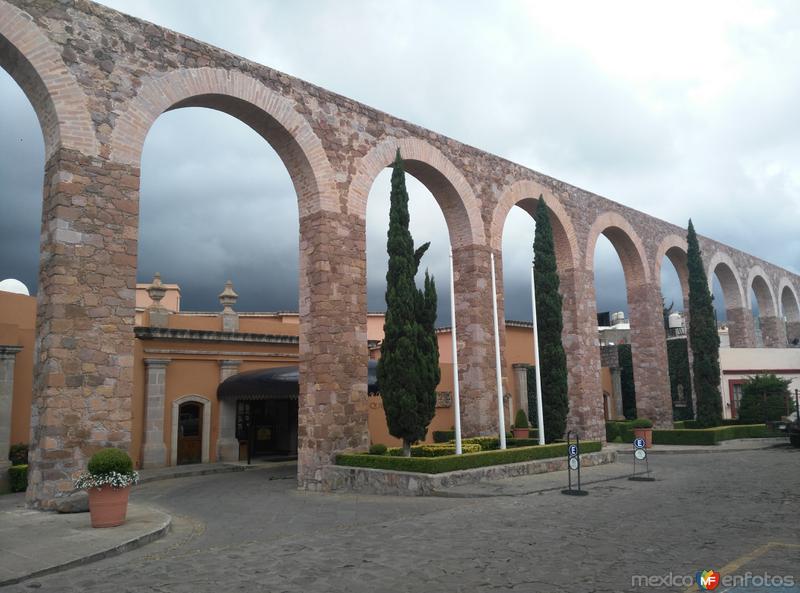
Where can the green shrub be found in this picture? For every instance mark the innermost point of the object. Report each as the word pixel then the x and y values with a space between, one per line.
pixel 18 454
pixel 377 449
pixel 521 420
pixel 764 399
pixel 529 442
pixel 486 443
pixel 438 465
pixel 18 477
pixel 110 460
pixel 641 423
pixel 435 450
pixel 619 429
pixel 444 436
pixel 711 436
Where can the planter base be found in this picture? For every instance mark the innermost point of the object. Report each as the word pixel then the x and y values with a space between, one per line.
pixel 108 506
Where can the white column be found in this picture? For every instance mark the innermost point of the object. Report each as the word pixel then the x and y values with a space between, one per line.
pixel 7 360
pixel 498 370
pixel 227 443
pixel 154 450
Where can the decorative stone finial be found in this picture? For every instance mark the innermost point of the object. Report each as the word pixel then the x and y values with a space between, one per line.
pixel 230 318
pixel 156 291
pixel 157 313
pixel 228 297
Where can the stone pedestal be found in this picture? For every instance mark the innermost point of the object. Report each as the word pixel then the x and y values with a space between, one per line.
pixel 583 354
pixel 741 328
pixel 773 332
pixel 793 331
pixel 227 443
pixel 649 350
pixel 8 356
pixel 154 450
pixel 475 324
pixel 86 305
pixel 333 403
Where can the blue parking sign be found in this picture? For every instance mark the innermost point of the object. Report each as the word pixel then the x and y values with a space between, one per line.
pixel 638 443
pixel 573 450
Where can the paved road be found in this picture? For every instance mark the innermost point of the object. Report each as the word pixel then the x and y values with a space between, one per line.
pixel 253 532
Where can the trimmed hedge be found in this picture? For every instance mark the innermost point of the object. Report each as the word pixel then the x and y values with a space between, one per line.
pixel 444 436
pixel 725 422
pixel 18 454
pixel 18 477
pixel 437 450
pixel 711 436
pixel 438 465
pixel 110 460
pixel 622 429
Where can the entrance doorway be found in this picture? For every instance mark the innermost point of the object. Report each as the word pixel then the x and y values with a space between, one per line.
pixel 190 433
pixel 269 426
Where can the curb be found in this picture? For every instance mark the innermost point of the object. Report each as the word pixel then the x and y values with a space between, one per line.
pixel 451 494
pixel 116 550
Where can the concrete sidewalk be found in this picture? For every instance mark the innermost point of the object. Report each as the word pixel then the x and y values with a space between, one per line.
pixel 35 543
pixel 723 447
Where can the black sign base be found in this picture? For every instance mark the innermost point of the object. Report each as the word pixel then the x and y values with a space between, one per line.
pixel 641 479
pixel 575 492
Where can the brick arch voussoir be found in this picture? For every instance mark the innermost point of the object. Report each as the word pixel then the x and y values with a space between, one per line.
pixel 631 250
pixel 757 272
pixel 159 93
pixel 669 244
pixel 464 220
pixel 721 258
pixel 58 100
pixel 785 286
pixel 525 189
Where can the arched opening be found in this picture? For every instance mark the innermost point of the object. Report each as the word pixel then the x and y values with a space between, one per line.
pixel 639 319
pixel 675 295
pixel 430 195
pixel 769 330
pixel 191 430
pixel 518 232
pixel 790 310
pixel 614 329
pixel 216 205
pixel 734 320
pixel 21 174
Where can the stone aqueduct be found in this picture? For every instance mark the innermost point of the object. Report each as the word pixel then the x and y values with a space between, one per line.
pixel 98 79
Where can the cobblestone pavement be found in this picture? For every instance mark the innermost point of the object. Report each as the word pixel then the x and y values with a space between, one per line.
pixel 253 532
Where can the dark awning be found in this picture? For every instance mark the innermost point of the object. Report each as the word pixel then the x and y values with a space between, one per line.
pixel 275 383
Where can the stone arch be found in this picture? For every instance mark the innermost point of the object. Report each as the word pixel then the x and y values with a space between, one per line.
pixel 270 114
pixel 443 179
pixel 525 194
pixel 725 269
pixel 37 67
pixel 206 446
pixel 765 295
pixel 627 243
pixel 675 248
pixel 790 304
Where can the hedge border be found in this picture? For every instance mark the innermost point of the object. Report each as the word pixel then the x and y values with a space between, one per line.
pixel 711 436
pixel 449 463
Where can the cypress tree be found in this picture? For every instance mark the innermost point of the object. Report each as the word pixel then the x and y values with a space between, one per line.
pixel 552 359
pixel 408 370
pixel 703 338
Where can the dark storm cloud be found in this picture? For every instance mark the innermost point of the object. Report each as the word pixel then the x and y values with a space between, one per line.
pixel 703 129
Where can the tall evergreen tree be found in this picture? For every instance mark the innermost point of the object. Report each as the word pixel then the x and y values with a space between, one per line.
pixel 552 359
pixel 408 370
pixel 703 338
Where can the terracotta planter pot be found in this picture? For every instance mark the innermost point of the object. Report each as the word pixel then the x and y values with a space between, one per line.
pixel 522 433
pixel 108 505
pixel 646 434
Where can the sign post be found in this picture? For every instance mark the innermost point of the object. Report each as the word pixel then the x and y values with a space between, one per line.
pixel 640 454
pixel 574 464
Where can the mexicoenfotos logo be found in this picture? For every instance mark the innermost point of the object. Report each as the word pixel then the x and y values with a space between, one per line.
pixel 707 580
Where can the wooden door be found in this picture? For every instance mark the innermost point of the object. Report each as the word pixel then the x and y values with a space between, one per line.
pixel 190 433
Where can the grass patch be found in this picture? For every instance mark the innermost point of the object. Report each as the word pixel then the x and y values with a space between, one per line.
pixel 449 463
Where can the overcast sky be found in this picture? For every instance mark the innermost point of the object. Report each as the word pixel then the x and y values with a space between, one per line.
pixel 680 110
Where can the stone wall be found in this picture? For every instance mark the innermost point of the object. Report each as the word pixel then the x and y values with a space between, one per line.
pixel 98 80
